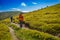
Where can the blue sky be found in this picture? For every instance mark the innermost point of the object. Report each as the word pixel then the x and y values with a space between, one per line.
pixel 25 5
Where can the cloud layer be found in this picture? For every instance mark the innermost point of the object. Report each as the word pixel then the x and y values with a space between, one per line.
pixel 23 4
pixel 15 9
pixel 34 3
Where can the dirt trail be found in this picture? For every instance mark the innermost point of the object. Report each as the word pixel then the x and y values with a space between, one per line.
pixel 16 25
pixel 22 28
pixel 13 34
pixel 19 26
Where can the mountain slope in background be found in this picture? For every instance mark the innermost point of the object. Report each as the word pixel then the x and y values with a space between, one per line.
pixel 4 15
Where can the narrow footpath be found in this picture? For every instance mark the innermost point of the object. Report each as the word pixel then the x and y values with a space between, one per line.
pixel 13 34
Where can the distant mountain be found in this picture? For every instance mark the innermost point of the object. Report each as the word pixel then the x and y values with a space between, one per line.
pixel 4 15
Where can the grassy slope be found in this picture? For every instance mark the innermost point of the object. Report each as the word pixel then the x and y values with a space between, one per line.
pixel 47 19
pixel 43 20
pixel 4 32
pixel 24 34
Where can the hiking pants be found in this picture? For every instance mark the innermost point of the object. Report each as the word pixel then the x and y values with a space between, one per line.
pixel 21 24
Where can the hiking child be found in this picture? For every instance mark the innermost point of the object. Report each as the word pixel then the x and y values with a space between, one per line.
pixel 21 20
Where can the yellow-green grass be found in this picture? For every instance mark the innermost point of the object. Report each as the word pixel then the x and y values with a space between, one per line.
pixel 4 32
pixel 46 19
pixel 24 34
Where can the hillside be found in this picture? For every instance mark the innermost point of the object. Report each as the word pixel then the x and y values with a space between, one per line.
pixel 4 15
pixel 4 32
pixel 44 25
pixel 46 19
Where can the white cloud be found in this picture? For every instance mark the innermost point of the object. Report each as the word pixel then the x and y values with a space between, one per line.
pixel 15 9
pixel 25 11
pixel 34 3
pixel 23 4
